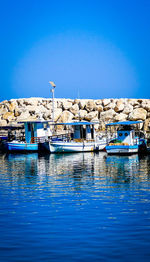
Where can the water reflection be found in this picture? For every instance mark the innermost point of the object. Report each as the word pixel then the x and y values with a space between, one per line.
pixel 81 167
pixel 74 207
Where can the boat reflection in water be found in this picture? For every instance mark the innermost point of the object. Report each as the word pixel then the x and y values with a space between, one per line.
pixel 95 167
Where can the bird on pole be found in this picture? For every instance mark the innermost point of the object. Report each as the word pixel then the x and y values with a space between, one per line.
pixel 52 90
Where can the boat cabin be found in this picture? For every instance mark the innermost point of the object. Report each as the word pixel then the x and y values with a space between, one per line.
pixel 126 132
pixel 80 130
pixel 36 130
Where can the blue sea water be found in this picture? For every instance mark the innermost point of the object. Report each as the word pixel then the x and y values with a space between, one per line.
pixel 74 207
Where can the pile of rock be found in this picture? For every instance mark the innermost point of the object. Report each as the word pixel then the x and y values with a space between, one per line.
pixel 67 110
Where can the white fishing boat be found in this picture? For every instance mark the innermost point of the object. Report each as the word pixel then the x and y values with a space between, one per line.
pixel 79 137
pixel 129 139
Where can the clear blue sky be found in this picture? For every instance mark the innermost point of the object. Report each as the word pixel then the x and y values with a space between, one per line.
pixel 90 49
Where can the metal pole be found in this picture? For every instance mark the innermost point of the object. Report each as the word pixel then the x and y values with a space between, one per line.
pixel 53 105
pixel 52 90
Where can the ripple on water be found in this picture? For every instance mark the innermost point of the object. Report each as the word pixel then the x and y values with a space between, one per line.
pixel 74 207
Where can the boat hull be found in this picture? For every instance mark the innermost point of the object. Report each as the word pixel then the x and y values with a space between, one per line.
pixel 60 146
pixel 122 149
pixel 25 147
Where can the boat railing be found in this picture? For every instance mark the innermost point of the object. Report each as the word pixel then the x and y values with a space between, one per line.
pixel 38 140
pixel 60 137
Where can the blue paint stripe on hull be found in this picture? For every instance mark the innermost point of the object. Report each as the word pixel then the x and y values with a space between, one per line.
pixel 22 147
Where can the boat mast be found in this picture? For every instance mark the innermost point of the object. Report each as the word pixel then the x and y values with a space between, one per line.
pixel 52 90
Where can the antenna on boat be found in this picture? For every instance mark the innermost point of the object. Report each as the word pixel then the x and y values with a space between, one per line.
pixel 52 90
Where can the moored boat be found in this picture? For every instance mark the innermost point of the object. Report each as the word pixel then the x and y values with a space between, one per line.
pixel 36 134
pixel 129 139
pixel 81 137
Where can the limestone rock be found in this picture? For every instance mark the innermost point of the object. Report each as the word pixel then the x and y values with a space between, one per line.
pixel 32 109
pixel 119 106
pixel 3 123
pixel 12 106
pixel 98 102
pixel 138 114
pixel 82 104
pixel 90 106
pixel 76 101
pixel 120 117
pixel 107 115
pixel 80 115
pixel 109 106
pixel 74 109
pixel 127 109
pixel 147 124
pixel 59 104
pixel 146 105
pixel 27 102
pixel 18 111
pixel 66 105
pixel 91 115
pixel 9 116
pixel 65 117
pixel 99 108
pixel 133 102
pixel 23 116
pixel 3 109
pixel 106 102
pixel 20 102
pixel 39 109
pixel 57 114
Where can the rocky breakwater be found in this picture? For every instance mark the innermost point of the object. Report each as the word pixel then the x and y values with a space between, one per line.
pixel 67 110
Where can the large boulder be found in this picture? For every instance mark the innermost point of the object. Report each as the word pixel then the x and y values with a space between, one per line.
pixel 57 114
pixel 39 109
pixel 81 115
pixel 146 105
pixel 147 124
pixel 32 109
pixel 65 117
pixel 91 115
pixel 127 109
pixel 66 104
pixel 82 103
pixel 133 102
pixel 120 117
pixel 9 116
pixel 23 116
pixel 109 106
pixel 105 102
pixel 98 102
pixel 138 114
pixel 3 122
pixel 90 106
pixel 12 105
pixel 74 109
pixel 119 106
pixel 99 108
pixel 76 101
pixel 3 109
pixel 108 115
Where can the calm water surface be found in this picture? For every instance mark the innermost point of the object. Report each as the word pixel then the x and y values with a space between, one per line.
pixel 74 207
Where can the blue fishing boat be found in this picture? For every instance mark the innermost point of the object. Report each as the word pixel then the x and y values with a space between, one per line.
pixel 129 139
pixel 36 133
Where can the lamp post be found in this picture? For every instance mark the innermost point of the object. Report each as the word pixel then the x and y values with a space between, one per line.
pixel 52 90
